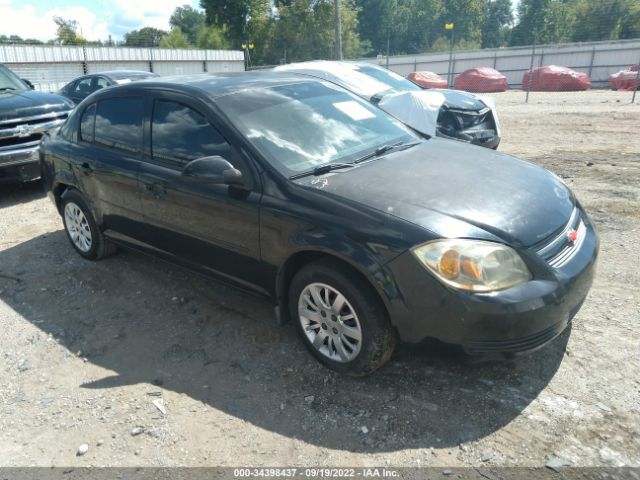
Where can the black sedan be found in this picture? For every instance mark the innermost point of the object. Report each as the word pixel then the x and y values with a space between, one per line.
pixel 360 231
pixel 81 87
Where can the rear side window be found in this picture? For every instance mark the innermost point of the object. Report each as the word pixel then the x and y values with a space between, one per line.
pixel 101 82
pixel 119 123
pixel 180 134
pixel 87 123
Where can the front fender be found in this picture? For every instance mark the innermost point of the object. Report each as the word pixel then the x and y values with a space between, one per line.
pixel 288 243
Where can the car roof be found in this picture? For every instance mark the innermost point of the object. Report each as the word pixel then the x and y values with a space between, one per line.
pixel 115 74
pixel 345 74
pixel 216 84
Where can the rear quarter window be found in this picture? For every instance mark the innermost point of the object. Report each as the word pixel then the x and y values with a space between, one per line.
pixel 87 124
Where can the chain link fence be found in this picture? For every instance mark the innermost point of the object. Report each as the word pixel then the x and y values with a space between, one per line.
pixel 552 69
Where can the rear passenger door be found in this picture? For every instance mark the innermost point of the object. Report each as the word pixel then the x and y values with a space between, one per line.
pixel 214 227
pixel 106 160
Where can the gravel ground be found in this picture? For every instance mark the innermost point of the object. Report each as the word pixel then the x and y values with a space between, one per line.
pixel 150 365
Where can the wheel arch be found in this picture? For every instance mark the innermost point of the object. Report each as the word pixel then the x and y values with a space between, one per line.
pixel 59 192
pixel 302 258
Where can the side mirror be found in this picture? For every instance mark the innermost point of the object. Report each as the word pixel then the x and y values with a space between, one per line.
pixel 212 170
pixel 29 84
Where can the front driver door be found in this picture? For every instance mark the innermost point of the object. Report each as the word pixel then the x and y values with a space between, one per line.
pixel 214 227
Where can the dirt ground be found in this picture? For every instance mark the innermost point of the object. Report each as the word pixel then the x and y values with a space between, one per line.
pixel 92 352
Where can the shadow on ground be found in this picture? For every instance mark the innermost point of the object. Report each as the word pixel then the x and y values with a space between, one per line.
pixel 12 193
pixel 154 323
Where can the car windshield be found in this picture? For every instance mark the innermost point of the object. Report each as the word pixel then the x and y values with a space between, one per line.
pixel 304 125
pixel 9 81
pixel 395 82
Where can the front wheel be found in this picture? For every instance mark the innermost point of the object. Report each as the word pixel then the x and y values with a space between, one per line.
pixel 340 318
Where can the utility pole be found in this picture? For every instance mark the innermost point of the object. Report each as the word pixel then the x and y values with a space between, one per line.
pixel 633 99
pixel 449 26
pixel 533 56
pixel 338 31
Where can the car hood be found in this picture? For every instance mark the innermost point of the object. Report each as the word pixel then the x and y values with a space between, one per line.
pixel 460 100
pixel 458 190
pixel 28 103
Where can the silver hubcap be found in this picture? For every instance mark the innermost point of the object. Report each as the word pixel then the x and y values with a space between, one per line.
pixel 77 226
pixel 330 322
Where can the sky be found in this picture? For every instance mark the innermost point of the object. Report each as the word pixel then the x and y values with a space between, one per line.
pixel 97 18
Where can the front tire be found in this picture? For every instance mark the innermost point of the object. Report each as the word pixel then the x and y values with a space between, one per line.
pixel 82 229
pixel 340 318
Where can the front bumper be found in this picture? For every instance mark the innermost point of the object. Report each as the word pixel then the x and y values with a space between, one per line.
pixel 20 164
pixel 514 320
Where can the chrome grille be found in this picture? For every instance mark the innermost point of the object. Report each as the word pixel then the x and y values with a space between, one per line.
pixel 20 133
pixel 559 250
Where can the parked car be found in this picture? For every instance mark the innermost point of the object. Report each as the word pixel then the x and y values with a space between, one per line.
pixel 358 229
pixel 25 115
pixel 554 78
pixel 446 113
pixel 81 87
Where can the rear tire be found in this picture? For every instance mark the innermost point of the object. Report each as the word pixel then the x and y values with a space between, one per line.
pixel 82 229
pixel 340 318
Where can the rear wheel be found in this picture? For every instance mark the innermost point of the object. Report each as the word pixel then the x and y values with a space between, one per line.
pixel 82 229
pixel 340 318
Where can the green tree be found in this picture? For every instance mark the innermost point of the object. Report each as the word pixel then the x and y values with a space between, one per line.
pixel 189 20
pixel 543 21
pixel 145 37
pixel 175 39
pixel 407 26
pixel 497 21
pixel 18 40
pixel 212 37
pixel 630 27
pixel 304 30
pixel 600 19
pixel 66 32
pixel 242 18
pixel 467 16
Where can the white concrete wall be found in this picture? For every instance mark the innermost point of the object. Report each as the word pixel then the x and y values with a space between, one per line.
pixel 50 67
pixel 598 59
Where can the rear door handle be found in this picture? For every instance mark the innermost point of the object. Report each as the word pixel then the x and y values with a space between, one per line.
pixel 157 189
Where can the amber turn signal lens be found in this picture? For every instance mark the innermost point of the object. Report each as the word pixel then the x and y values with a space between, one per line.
pixel 450 264
pixel 469 268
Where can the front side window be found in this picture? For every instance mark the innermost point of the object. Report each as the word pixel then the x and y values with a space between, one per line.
pixel 9 81
pixel 305 125
pixel 87 123
pixel 180 134
pixel 119 123
pixel 83 87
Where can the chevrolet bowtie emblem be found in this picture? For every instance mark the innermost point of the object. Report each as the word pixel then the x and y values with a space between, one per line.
pixel 22 131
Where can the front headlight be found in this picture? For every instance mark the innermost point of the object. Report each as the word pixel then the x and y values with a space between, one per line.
pixel 473 265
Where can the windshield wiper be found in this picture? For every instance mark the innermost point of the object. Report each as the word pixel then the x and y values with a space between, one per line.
pixel 2 89
pixel 322 169
pixel 384 149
